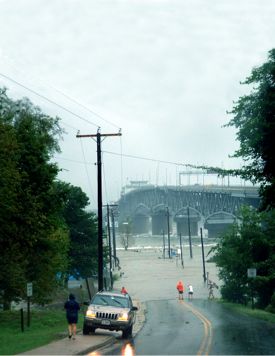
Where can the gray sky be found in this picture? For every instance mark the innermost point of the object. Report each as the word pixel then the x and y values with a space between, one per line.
pixel 164 71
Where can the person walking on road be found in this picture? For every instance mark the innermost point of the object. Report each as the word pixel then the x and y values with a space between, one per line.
pixel 180 288
pixel 190 292
pixel 72 307
pixel 211 287
pixel 123 290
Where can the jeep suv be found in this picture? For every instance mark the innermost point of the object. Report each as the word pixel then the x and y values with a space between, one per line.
pixel 112 311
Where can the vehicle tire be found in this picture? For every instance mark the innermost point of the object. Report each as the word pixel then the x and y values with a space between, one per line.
pixel 127 332
pixel 92 330
pixel 86 329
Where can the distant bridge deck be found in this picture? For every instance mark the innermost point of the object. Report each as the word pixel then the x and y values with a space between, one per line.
pixel 215 206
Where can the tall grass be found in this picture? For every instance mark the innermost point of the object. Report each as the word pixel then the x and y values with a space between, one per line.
pixel 247 310
pixel 46 325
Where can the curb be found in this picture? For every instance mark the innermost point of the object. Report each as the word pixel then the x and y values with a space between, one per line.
pixel 111 340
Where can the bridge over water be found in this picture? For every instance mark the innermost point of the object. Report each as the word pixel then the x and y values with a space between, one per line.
pixel 152 209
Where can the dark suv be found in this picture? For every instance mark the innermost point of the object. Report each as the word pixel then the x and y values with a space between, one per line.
pixel 112 311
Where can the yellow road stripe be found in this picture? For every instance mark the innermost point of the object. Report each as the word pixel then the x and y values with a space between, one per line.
pixel 208 332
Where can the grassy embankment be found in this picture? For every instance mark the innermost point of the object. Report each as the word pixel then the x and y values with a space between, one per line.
pixel 46 325
pixel 247 310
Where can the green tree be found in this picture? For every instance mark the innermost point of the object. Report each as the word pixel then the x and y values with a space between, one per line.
pixel 254 119
pixel 33 236
pixel 82 226
pixel 249 243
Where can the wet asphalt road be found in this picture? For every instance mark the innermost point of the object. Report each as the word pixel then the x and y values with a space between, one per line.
pixel 199 327
pixel 173 327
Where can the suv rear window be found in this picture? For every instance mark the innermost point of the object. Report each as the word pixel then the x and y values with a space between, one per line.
pixel 119 302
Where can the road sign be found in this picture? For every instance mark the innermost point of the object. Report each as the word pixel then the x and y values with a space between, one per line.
pixel 29 289
pixel 251 272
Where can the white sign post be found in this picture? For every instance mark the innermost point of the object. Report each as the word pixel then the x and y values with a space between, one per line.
pixel 29 289
pixel 29 295
pixel 252 273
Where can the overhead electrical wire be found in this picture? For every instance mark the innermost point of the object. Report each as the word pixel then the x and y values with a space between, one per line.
pixel 84 107
pixel 42 81
pixel 150 159
pixel 87 173
pixel 47 99
pixel 104 177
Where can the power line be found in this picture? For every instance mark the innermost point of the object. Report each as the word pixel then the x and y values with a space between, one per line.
pixel 85 107
pixel 73 160
pixel 150 159
pixel 47 99
pixel 66 96
pixel 87 173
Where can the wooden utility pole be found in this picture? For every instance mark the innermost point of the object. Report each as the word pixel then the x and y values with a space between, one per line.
pixel 168 232
pixel 110 246
pixel 99 203
pixel 189 232
pixel 110 242
pixel 114 235
pixel 203 259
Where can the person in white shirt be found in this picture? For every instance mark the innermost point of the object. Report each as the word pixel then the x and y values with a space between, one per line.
pixel 190 292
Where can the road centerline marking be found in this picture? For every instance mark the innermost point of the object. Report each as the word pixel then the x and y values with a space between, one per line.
pixel 208 332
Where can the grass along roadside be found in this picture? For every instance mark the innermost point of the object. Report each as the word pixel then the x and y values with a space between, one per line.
pixel 247 310
pixel 46 325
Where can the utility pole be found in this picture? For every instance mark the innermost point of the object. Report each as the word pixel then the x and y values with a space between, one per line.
pixel 163 240
pixel 114 233
pixel 189 232
pixel 110 246
pixel 110 240
pixel 203 260
pixel 99 203
pixel 168 232
pixel 181 255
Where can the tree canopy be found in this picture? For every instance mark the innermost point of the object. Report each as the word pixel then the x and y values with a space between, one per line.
pixel 249 244
pixel 82 227
pixel 254 119
pixel 46 232
pixel 33 240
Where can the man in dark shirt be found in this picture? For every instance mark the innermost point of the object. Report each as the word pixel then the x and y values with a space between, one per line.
pixel 72 308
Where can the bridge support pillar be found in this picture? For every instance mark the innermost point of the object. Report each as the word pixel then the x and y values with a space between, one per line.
pixel 215 230
pixel 160 224
pixel 182 226
pixel 141 224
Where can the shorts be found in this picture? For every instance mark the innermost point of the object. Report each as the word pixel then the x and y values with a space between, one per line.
pixel 72 319
pixel 190 293
pixel 180 292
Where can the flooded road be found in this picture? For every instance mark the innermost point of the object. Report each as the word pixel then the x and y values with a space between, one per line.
pixel 199 327
pixel 174 327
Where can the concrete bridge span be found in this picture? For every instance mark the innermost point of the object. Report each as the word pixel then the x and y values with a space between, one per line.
pixel 152 210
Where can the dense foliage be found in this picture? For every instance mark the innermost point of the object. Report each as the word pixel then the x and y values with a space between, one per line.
pixel 45 231
pixel 249 244
pixel 82 225
pixel 254 119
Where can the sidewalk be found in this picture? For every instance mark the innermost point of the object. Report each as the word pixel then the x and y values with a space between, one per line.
pixel 81 345
pixel 84 344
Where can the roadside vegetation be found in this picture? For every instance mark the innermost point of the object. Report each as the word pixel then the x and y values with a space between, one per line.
pixel 247 310
pixel 47 234
pixel 250 243
pixel 46 325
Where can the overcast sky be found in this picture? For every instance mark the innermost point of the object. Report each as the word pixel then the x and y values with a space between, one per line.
pixel 164 71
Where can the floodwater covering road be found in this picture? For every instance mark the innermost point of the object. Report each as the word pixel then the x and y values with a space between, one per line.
pixel 175 327
pixel 199 327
